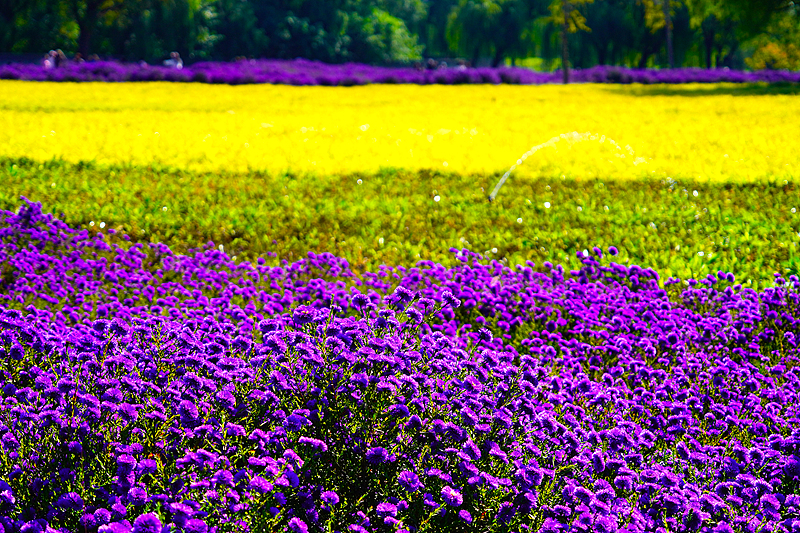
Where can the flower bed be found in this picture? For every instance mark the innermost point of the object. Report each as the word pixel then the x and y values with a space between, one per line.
pixel 304 72
pixel 142 389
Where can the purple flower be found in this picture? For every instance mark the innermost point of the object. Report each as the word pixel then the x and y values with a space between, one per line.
pixel 623 483
pixel 792 468
pixel 31 527
pixel 10 442
pixel 118 511
pixel 506 512
pixel 304 314
pixel 137 496
pixel 188 413
pixel 298 526
pixel 451 496
pixel 147 466
pixel 414 422
pixel 464 515
pixel 260 485
pixel 450 300
pixel 222 477
pixel 70 501
pixel 330 497
pixel 314 443
pixel 295 422
pixel 360 300
pixel 386 509
pixel 428 500
pixel 195 525
pixel 398 410
pixel 722 527
pixel 551 525
pixel 605 524
pixel 147 523
pixel 102 516
pixel 598 462
pixel 226 399
pixel 409 481
pixel 377 455
pixel 122 526
pixel 770 502
pixel 125 465
pixel 583 494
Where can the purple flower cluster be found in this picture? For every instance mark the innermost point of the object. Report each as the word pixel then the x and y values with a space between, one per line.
pixel 304 72
pixel 143 390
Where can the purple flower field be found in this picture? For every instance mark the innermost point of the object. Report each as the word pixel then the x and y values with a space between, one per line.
pixel 304 72
pixel 146 391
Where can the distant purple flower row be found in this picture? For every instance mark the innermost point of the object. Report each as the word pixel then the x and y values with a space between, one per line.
pixel 143 391
pixel 303 72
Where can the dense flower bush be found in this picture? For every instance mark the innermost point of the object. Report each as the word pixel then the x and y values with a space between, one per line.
pixel 142 390
pixel 304 72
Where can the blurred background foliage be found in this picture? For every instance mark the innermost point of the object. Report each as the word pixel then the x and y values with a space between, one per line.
pixel 640 33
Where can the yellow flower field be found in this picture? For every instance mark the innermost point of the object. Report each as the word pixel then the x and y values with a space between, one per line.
pixel 683 132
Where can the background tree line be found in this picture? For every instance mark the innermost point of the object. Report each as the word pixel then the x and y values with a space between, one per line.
pixel 538 33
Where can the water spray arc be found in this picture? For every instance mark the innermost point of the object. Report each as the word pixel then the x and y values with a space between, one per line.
pixel 571 138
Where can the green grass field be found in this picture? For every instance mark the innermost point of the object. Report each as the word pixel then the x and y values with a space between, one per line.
pixel 679 229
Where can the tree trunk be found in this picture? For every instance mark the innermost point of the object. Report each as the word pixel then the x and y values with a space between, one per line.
pixel 84 39
pixel 601 55
pixel 498 58
pixel 708 43
pixel 476 54
pixel 564 44
pixel 728 59
pixel 668 28
pixel 643 60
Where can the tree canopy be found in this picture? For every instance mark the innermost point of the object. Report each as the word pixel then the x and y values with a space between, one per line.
pixel 708 33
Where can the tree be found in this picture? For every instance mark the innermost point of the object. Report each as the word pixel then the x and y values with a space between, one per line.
pixel 236 30
pixel 718 21
pixel 659 14
pixel 755 15
pixel 566 14
pixel 11 11
pixel 87 14
pixel 778 47
pixel 612 30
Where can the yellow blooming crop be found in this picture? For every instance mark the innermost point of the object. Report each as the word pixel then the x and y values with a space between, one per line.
pixel 684 132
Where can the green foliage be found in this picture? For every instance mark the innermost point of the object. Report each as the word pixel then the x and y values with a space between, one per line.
pixel 392 217
pixel 628 32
